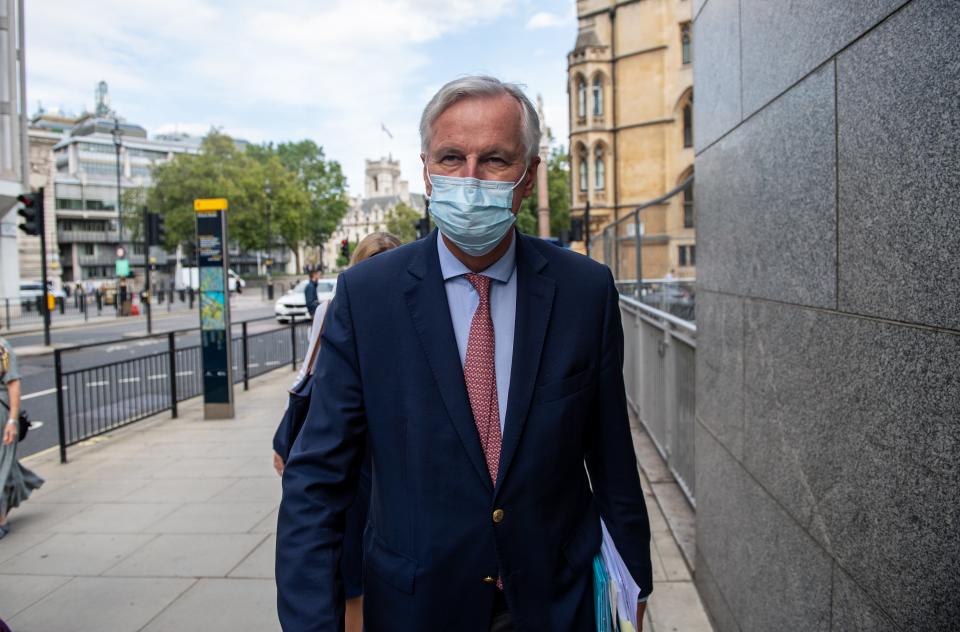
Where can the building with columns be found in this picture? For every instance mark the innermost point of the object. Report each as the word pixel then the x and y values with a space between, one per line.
pixel 383 190
pixel 13 140
pixel 630 85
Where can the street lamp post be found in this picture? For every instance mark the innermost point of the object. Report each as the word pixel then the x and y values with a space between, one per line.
pixel 266 190
pixel 118 143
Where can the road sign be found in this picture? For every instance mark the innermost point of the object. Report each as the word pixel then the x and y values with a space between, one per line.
pixel 215 344
pixel 210 204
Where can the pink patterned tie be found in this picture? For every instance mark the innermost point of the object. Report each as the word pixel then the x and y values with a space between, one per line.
pixel 480 374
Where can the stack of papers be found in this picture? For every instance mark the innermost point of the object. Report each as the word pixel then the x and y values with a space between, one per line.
pixel 623 591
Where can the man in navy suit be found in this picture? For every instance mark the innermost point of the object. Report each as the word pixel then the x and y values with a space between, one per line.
pixel 482 369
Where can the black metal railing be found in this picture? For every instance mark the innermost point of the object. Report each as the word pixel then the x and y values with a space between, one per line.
pixel 93 400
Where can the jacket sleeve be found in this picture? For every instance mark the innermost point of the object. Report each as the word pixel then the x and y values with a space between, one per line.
pixel 320 482
pixel 610 458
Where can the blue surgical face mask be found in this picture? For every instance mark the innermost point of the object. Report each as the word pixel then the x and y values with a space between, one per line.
pixel 474 214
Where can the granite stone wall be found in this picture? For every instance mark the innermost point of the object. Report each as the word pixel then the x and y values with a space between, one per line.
pixel 828 368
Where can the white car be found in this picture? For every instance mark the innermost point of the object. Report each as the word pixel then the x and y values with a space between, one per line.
pixel 32 290
pixel 293 304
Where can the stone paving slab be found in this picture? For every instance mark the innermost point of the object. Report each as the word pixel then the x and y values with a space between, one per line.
pixel 98 604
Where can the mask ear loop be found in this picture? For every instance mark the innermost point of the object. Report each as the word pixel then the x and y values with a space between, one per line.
pixel 526 165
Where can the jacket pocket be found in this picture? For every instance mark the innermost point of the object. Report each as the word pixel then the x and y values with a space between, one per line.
pixel 394 568
pixel 567 386
pixel 584 543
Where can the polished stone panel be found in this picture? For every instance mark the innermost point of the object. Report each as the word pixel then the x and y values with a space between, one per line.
pixel 764 556
pixel 766 201
pixel 709 590
pixel 853 611
pixel 899 145
pixel 783 41
pixel 716 71
pixel 720 367
pixel 852 425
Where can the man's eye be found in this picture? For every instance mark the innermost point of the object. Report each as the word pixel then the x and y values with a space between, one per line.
pixel 450 159
pixel 497 161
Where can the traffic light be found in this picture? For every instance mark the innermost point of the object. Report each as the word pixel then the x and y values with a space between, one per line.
pixel 159 230
pixel 423 227
pixel 576 229
pixel 156 229
pixel 345 248
pixel 31 212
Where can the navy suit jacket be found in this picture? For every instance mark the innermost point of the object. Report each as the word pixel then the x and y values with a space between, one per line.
pixel 389 376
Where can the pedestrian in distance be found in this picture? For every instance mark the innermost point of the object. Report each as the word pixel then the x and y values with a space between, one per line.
pixel 16 481
pixel 310 292
pixel 482 372
pixel 351 560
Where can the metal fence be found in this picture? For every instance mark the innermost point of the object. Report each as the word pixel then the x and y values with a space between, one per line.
pixel 97 399
pixel 27 313
pixel 660 376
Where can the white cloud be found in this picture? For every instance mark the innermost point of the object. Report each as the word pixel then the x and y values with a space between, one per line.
pixel 335 67
pixel 544 20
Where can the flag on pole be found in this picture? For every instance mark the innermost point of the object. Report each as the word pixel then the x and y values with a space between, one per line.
pixel 386 131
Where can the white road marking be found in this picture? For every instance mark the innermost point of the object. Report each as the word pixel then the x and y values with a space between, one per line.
pixel 101 383
pixel 254 364
pixel 179 373
pixel 113 348
pixel 49 391
pixel 127 380
pixel 158 376
pixel 270 363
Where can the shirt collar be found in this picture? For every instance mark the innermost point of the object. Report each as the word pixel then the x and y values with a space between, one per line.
pixel 501 270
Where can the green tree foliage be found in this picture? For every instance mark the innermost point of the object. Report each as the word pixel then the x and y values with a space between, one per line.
pixel 132 203
pixel 558 185
pixel 220 169
pixel 322 181
pixel 307 193
pixel 402 222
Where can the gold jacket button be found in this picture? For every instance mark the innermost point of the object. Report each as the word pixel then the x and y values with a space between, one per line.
pixel 489 580
pixel 498 515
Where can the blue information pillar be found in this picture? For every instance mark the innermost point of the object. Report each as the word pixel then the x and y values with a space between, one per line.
pixel 215 344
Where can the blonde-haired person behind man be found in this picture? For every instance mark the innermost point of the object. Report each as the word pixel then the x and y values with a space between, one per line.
pixel 352 560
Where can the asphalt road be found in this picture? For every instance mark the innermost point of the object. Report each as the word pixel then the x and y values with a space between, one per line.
pixel 138 381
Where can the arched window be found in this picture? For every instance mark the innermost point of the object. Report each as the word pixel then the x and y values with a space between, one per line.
pixel 688 124
pixel 582 167
pixel 599 170
pixel 688 216
pixel 581 97
pixel 597 96
pixel 685 42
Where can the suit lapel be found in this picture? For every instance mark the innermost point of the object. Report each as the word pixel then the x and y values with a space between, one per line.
pixel 427 302
pixel 534 303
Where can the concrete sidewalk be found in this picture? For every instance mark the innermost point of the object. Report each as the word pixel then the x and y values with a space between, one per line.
pixel 169 524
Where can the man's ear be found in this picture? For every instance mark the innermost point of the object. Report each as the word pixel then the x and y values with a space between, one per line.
pixel 426 180
pixel 531 176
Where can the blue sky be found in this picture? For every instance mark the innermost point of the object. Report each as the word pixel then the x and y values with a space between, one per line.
pixel 329 70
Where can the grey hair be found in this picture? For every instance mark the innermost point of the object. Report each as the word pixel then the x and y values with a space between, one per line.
pixel 482 86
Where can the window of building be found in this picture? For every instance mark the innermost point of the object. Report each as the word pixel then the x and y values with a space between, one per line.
pixel 583 170
pixel 86 249
pixel 99 205
pixel 685 42
pixel 599 170
pixel 69 203
pixel 688 124
pixel 98 148
pixel 581 98
pixel 688 220
pixel 687 255
pixel 597 96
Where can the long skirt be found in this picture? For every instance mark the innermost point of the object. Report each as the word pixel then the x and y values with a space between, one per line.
pixel 18 481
